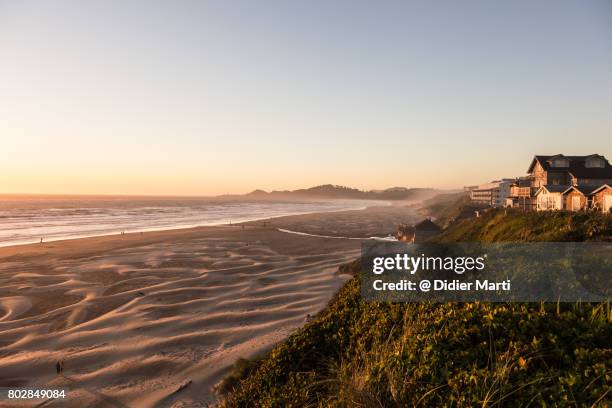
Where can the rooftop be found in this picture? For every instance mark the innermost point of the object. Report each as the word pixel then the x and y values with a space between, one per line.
pixel 427 225
pixel 577 166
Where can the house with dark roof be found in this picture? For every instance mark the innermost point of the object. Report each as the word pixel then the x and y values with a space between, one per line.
pixel 569 170
pixel 549 179
pixel 419 232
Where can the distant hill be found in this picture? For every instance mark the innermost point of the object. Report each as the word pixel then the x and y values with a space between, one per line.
pixel 331 191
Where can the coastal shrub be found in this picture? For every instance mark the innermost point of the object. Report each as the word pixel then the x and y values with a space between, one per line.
pixel 240 370
pixel 360 354
pixel 363 354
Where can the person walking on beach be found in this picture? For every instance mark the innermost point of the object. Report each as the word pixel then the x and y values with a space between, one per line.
pixel 58 368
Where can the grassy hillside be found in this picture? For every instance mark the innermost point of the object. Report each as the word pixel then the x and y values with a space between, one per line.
pixel 424 354
pixel 513 225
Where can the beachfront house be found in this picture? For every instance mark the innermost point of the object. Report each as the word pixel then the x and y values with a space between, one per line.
pixel 549 198
pixel 550 178
pixel 405 233
pixel 601 198
pixel 420 232
pixel 425 230
pixel 574 198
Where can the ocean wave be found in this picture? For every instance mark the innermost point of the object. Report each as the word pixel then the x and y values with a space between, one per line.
pixel 28 222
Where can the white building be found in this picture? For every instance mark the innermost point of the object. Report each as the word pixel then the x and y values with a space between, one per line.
pixel 550 198
pixel 493 194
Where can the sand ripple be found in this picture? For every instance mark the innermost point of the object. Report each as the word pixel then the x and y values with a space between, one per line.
pixel 133 323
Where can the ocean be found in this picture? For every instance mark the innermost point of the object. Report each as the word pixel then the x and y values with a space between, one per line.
pixel 28 219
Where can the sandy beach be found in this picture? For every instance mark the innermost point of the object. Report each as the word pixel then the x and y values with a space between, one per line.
pixel 376 221
pixel 135 316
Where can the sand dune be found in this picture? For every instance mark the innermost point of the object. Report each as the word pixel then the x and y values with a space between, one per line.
pixel 135 316
pixel 134 320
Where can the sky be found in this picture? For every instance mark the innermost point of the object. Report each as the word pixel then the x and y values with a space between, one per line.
pixel 213 97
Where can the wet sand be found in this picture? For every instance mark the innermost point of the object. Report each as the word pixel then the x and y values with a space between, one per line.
pixel 378 221
pixel 134 316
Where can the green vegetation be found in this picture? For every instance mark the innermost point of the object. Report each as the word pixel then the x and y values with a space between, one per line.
pixel 241 369
pixel 516 226
pixel 446 354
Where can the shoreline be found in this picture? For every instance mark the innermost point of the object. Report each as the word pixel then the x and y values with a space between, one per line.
pixel 188 229
pixel 134 316
pixel 190 226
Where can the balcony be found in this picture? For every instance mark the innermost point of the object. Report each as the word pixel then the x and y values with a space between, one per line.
pixel 520 191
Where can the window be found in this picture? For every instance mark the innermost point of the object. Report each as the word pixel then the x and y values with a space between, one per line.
pixel 594 162
pixel 560 163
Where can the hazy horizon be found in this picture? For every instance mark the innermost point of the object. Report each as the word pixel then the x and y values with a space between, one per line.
pixel 187 98
pixel 281 190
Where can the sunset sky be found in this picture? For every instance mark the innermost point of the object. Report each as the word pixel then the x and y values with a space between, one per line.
pixel 210 97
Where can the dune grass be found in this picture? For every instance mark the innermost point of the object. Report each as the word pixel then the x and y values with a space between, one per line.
pixel 360 354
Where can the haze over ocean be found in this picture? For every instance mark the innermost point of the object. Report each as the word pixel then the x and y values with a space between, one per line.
pixel 27 220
